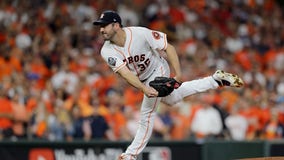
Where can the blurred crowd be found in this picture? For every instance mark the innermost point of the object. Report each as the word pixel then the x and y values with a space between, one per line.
pixel 55 86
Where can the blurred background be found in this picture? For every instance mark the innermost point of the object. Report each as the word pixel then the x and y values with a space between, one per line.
pixel 54 86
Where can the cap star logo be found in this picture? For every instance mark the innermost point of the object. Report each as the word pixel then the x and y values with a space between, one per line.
pixel 111 61
pixel 102 16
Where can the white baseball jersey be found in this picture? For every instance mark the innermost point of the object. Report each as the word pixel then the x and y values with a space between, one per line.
pixel 139 52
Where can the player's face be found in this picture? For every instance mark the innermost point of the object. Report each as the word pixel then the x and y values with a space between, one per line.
pixel 108 31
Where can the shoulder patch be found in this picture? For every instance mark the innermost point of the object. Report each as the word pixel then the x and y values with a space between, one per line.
pixel 156 35
pixel 111 61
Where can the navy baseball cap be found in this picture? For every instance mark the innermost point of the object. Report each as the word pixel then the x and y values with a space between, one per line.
pixel 108 17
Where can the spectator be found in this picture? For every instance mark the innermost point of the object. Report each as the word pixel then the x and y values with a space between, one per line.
pixel 100 128
pixel 250 109
pixel 206 123
pixel 55 129
pixel 60 124
pixel 180 123
pixel 116 119
pixel 130 16
pixel 9 64
pixel 6 116
pixel 92 127
pixel 163 123
pixel 132 117
pixel 273 129
pixel 21 117
pixel 64 78
pixel 237 124
pixel 79 132
pixel 39 123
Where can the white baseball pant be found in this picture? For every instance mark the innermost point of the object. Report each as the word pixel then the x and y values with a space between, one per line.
pixel 149 106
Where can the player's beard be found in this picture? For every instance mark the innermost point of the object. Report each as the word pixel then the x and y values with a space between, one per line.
pixel 108 36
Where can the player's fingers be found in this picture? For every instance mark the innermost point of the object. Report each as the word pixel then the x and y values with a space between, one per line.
pixel 152 94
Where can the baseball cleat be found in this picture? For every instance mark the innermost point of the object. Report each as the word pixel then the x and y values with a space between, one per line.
pixel 227 79
pixel 125 156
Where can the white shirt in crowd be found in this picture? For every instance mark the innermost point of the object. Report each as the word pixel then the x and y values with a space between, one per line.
pixel 207 121
pixel 237 126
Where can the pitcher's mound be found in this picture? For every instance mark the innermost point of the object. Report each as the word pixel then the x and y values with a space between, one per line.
pixel 264 158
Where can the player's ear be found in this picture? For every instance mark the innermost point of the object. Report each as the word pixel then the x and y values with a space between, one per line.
pixel 116 24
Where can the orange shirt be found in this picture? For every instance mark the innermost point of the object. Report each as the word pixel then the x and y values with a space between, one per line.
pixel 85 93
pixel 5 108
pixel 243 59
pixel 252 114
pixel 265 116
pixel 269 56
pixel 68 103
pixel 230 97
pixel 7 67
pixel 19 112
pixel 41 128
pixel 32 104
pixel 132 97
pixel 103 111
pixel 42 71
pixel 194 110
pixel 197 6
pixel 176 15
pixel 117 122
pixel 180 128
pixel 103 84
pixel 86 109
pixel 158 24
pixel 281 118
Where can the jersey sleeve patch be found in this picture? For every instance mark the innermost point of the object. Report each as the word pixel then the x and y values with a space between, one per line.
pixel 111 61
pixel 156 35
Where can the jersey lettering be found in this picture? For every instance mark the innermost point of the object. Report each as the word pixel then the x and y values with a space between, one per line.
pixel 147 62
pixel 138 58
pixel 130 60
pixel 142 67
pixel 142 57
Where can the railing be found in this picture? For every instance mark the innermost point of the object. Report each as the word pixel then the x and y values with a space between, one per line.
pixel 155 150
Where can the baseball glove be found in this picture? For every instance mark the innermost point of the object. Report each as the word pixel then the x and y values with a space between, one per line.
pixel 164 85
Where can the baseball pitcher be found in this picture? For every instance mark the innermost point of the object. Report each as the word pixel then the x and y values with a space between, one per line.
pixel 135 54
